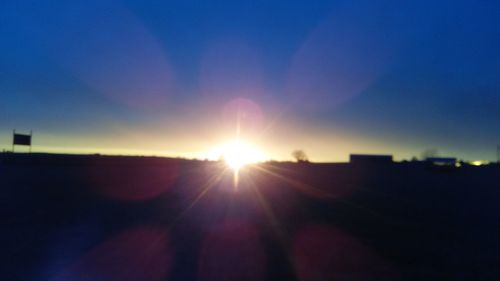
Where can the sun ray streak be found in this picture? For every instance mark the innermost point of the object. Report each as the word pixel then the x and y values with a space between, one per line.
pixel 324 194
pixel 283 239
pixel 236 179
pixel 267 210
pixel 210 184
pixel 298 185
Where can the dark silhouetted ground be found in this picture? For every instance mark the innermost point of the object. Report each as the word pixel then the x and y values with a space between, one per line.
pixel 142 218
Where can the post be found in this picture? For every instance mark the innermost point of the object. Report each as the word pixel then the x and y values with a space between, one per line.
pixel 13 136
pixel 498 153
pixel 31 139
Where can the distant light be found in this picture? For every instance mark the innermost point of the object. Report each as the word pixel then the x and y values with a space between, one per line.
pixel 478 163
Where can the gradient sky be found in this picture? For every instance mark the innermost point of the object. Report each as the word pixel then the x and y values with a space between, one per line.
pixel 329 77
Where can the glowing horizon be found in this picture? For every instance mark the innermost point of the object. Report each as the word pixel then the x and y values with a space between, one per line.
pixel 340 81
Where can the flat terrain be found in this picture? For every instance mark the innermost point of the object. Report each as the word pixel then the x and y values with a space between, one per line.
pixel 91 217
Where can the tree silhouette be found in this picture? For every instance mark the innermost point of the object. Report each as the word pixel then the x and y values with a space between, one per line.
pixel 300 155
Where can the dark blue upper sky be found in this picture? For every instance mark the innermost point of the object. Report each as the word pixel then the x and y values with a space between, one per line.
pixel 331 77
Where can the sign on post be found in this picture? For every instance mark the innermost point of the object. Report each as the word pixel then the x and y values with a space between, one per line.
pixel 21 139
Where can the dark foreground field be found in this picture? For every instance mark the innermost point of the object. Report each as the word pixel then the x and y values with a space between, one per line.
pixel 133 218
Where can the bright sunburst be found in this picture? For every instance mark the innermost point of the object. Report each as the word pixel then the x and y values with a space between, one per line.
pixel 238 153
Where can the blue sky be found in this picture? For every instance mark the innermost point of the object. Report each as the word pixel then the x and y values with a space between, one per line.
pixel 330 77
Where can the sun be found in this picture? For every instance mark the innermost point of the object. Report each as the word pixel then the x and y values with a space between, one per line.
pixel 237 154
